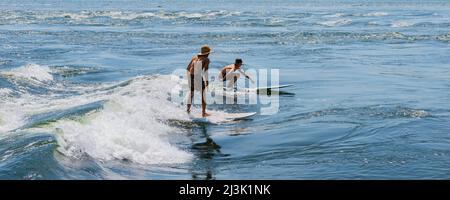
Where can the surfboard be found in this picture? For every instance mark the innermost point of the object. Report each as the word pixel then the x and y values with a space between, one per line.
pixel 217 117
pixel 273 87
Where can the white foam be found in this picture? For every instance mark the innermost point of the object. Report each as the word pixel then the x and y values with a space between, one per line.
pixel 191 15
pixel 335 15
pixel 129 15
pixel 130 126
pixel 10 119
pixel 399 24
pixel 332 23
pixel 75 16
pixel 115 133
pixel 31 72
pixel 15 111
pixel 4 92
pixel 376 14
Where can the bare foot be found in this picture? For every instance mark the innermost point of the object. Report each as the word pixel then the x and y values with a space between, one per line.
pixel 205 115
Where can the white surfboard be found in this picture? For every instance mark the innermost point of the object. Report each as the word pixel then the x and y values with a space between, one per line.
pixel 217 117
pixel 273 87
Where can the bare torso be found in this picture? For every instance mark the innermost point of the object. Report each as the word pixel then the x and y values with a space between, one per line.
pixel 227 69
pixel 203 59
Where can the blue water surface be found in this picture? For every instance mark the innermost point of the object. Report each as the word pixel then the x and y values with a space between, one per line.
pixel 81 85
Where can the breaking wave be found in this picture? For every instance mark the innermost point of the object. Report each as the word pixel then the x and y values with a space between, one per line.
pixel 338 22
pixel 131 124
pixel 399 24
pixel 79 16
pixel 30 72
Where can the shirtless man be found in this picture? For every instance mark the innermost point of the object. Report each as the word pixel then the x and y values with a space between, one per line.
pixel 197 74
pixel 229 73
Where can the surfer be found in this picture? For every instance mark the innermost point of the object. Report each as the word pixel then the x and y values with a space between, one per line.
pixel 197 74
pixel 229 73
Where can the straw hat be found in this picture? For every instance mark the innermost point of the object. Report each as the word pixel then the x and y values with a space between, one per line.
pixel 205 50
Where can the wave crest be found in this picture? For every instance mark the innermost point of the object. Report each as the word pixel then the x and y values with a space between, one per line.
pixel 31 72
pixel 399 24
pixel 338 22
pixel 131 126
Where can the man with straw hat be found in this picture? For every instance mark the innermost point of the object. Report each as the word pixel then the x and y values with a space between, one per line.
pixel 197 74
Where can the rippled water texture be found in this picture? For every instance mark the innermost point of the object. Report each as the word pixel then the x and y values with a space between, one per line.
pixel 84 90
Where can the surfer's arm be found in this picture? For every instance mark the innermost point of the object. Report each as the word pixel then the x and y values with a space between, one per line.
pixel 188 68
pixel 205 73
pixel 223 73
pixel 246 76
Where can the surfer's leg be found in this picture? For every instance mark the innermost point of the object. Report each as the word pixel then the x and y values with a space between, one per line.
pixel 235 81
pixel 232 78
pixel 189 104
pixel 191 93
pixel 204 114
